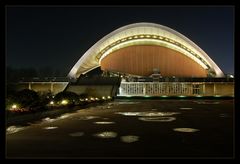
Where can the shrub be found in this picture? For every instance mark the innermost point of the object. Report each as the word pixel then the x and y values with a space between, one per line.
pixel 27 100
pixel 71 97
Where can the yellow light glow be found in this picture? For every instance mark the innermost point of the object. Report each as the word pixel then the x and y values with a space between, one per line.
pixel 14 106
pixel 103 97
pixel 109 97
pixel 64 102
pixel 51 102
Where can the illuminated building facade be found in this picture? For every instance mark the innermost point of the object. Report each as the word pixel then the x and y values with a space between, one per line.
pixel 137 49
pixel 140 51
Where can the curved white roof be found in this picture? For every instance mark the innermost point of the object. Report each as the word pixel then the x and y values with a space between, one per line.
pixel 142 33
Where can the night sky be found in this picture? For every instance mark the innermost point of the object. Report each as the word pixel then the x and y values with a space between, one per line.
pixel 57 37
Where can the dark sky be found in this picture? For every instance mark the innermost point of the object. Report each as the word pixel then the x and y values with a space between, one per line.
pixel 57 36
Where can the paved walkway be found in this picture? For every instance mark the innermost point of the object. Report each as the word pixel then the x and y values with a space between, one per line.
pixel 131 128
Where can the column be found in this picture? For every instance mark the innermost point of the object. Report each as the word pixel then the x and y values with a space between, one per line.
pixel 203 89
pixel 51 87
pixel 214 89
pixel 144 88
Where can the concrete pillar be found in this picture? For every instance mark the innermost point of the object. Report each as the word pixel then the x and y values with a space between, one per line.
pixel 51 87
pixel 29 86
pixel 144 89
pixel 214 89
pixel 203 89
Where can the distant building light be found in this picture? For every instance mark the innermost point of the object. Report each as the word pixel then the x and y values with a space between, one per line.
pixel 109 97
pixel 51 102
pixel 103 98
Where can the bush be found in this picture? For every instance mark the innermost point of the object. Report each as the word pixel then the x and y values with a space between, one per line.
pixel 71 97
pixel 26 99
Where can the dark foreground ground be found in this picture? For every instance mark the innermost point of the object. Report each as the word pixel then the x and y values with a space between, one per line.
pixel 130 129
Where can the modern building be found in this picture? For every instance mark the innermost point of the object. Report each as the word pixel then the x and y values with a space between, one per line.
pixel 139 48
pixel 154 60
pixel 143 59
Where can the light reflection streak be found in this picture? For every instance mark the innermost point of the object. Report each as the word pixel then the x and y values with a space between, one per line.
pixel 185 108
pixel 47 119
pixel 207 102
pixel 157 119
pixel 104 122
pixel 50 127
pixel 14 129
pixel 129 139
pixel 87 117
pixel 187 130
pixel 106 134
pixel 147 114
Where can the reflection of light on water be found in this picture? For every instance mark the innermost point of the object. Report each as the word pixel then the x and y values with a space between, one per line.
pixel 47 119
pixel 157 119
pixel 129 139
pixel 185 108
pixel 64 116
pixel 147 113
pixel 50 127
pixel 87 117
pixel 13 129
pixel 129 113
pixel 107 134
pixel 207 102
pixel 188 130
pixel 104 122
pixel 77 134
